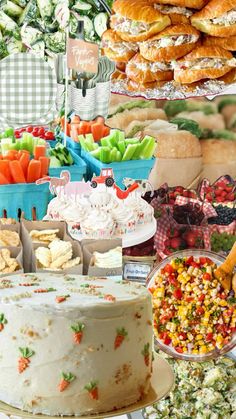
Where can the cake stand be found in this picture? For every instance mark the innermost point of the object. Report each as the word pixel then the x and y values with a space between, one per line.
pixel 140 235
pixel 162 383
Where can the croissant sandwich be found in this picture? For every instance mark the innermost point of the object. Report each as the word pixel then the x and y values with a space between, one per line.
pixel 228 43
pixel 116 49
pixel 203 63
pixel 218 18
pixel 177 15
pixel 137 20
pixel 192 4
pixel 143 71
pixel 170 44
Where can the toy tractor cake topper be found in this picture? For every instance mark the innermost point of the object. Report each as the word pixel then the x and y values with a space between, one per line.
pixel 106 177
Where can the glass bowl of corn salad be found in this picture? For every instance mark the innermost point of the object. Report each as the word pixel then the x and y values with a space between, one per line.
pixel 194 317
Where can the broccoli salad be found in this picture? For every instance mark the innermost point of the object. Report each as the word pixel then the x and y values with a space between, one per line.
pixel 39 26
pixel 204 390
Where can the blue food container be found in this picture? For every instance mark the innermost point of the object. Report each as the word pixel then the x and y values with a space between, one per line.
pixel 71 144
pixel 135 169
pixel 77 170
pixel 29 198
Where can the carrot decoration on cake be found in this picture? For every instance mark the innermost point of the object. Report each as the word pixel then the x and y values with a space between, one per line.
pixel 24 360
pixel 121 335
pixel 42 290
pixel 3 321
pixel 61 298
pixel 78 330
pixel 65 381
pixel 146 354
pixel 92 388
pixel 109 297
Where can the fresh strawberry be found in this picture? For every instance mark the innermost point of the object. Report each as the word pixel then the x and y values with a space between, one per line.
pixel 229 187
pixel 231 197
pixel 179 189
pixel 78 330
pixel 65 381
pixel 173 232
pixel 3 321
pixel 185 193
pixel 209 197
pixel 193 239
pixel 24 361
pixel 120 336
pixel 146 354
pixel 92 388
pixel 177 243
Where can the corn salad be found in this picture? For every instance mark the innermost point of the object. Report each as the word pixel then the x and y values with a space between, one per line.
pixel 192 311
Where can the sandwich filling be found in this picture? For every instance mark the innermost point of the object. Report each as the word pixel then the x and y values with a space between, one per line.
pixel 227 19
pixel 173 41
pixel 133 27
pixel 204 63
pixel 120 48
pixel 153 67
pixel 167 10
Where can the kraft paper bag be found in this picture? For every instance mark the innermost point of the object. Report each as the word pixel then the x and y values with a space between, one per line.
pixel 101 246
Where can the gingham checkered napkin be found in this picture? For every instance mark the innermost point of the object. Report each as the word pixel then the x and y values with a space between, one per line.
pixel 28 90
pixel 162 234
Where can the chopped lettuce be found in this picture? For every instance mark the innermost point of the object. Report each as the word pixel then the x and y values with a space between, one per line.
pixel 55 41
pixel 187 125
pixel 12 9
pixel 132 105
pixel 228 100
pixel 174 107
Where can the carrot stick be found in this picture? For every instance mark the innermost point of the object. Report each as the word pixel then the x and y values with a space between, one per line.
pixel 3 180
pixel 34 171
pixel 97 131
pixel 44 165
pixel 5 170
pixel 17 172
pixel 11 155
pixel 39 151
pixel 24 161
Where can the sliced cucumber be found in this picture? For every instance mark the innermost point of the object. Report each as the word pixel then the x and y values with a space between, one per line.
pixel 100 23
pixel 88 25
pixel 80 5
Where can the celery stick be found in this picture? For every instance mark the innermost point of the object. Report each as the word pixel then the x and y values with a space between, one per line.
pixel 105 142
pixel 121 147
pixel 121 136
pixel 81 140
pixel 89 137
pixel 118 155
pixel 130 150
pixel 89 146
pixel 96 153
pixel 131 141
pixel 137 152
pixel 113 154
pixel 148 150
pixel 105 154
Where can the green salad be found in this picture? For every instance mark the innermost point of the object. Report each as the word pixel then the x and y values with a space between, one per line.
pixel 39 26
pixel 203 390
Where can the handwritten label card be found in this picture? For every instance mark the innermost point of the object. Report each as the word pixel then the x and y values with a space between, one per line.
pixel 82 56
pixel 136 271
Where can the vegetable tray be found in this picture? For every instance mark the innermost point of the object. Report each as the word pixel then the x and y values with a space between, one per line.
pixel 31 199
pixel 133 168
pixel 77 170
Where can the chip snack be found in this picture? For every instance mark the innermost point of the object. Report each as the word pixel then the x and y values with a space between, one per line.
pixel 9 238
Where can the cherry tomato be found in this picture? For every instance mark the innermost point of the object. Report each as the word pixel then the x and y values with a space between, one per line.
pixel 183 335
pixel 179 349
pixel 41 131
pixel 189 260
pixel 201 297
pixel 169 269
pixel 177 294
pixel 167 340
pixel 209 337
pixel 49 135
pixel 202 261
pixel 35 132
pixel 200 310
pixel 206 276
pixel 29 128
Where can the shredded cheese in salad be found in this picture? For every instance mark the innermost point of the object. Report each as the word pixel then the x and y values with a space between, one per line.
pixel 192 312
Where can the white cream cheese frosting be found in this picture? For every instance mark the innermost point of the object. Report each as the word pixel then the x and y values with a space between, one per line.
pixel 73 345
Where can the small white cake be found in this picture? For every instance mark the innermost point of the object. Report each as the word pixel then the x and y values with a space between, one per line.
pixel 73 345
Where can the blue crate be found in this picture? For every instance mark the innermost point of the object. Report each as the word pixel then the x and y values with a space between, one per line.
pixel 24 197
pixel 77 170
pixel 135 169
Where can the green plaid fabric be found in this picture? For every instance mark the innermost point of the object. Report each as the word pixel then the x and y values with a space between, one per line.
pixel 27 90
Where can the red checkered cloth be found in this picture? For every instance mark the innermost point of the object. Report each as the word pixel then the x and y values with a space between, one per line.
pixel 207 208
pixel 229 229
pixel 206 183
pixel 162 234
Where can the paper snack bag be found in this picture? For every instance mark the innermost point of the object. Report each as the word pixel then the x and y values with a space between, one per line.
pixel 101 246
pixel 30 262
pixel 15 253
